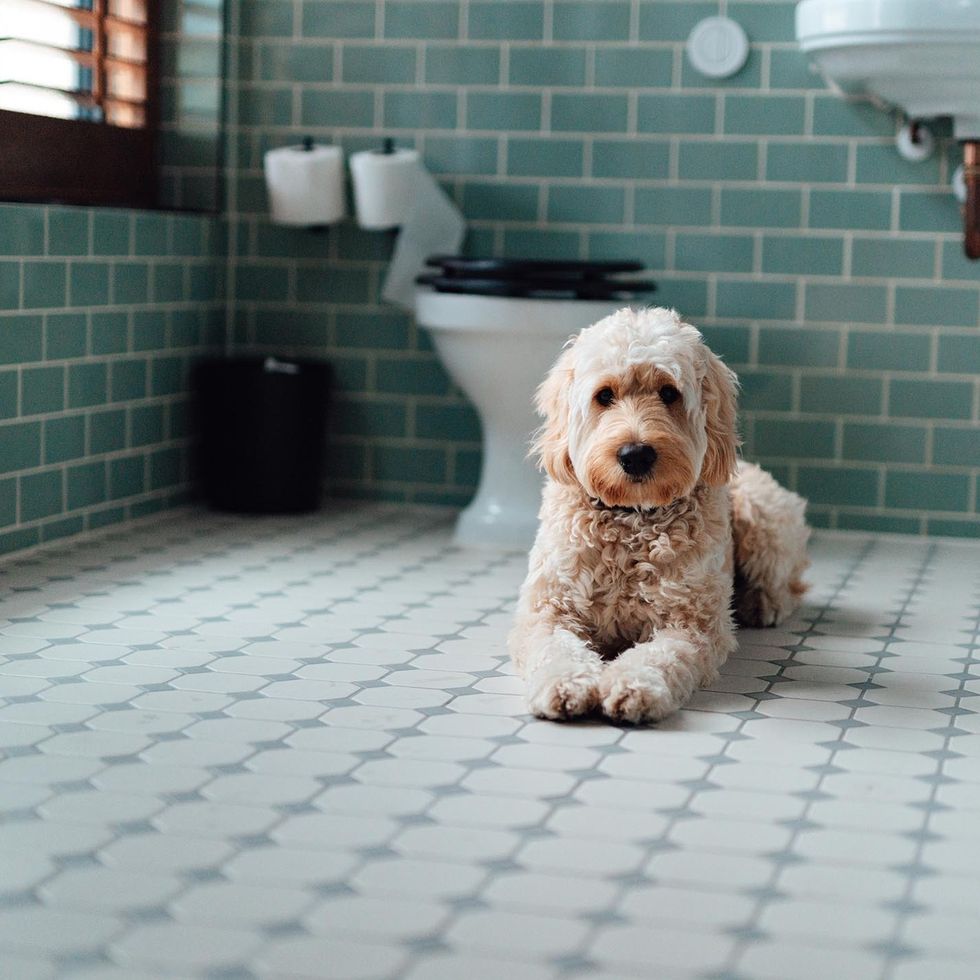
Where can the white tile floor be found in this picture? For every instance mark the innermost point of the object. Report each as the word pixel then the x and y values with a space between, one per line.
pixel 294 748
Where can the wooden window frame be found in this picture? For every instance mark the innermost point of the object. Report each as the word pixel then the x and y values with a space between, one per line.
pixel 71 161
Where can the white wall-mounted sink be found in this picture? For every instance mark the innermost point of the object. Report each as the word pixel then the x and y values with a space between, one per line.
pixel 922 56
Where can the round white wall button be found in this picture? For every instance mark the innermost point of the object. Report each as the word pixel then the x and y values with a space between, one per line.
pixel 717 47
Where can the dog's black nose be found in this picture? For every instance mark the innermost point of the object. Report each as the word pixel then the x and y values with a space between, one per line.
pixel 636 458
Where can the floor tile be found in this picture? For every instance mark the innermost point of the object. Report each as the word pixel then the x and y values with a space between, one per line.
pixel 231 748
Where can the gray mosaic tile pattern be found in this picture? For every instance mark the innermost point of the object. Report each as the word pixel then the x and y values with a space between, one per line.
pixel 295 748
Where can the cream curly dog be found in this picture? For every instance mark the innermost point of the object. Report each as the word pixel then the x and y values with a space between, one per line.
pixel 648 524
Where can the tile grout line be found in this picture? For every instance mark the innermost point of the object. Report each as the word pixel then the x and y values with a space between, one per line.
pixel 762 902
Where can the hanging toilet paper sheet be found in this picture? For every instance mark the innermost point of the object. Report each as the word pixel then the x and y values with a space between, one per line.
pixel 434 226
pixel 305 185
pixel 395 190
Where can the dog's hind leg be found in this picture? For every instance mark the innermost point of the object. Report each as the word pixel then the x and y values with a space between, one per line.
pixel 770 535
pixel 561 672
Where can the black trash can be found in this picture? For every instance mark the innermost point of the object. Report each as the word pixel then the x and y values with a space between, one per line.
pixel 262 423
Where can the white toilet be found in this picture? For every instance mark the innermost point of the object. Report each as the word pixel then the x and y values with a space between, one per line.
pixel 498 348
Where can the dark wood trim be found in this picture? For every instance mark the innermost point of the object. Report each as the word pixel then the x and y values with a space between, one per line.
pixel 72 162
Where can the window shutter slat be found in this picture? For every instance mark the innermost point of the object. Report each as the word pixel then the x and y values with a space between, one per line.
pixel 61 59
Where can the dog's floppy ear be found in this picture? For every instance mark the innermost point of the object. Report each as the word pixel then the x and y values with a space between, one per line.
pixel 719 391
pixel 551 440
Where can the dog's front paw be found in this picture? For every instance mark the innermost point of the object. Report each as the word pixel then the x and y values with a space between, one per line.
pixel 563 692
pixel 635 695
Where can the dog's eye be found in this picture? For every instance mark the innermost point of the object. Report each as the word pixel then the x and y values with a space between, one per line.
pixel 669 394
pixel 605 396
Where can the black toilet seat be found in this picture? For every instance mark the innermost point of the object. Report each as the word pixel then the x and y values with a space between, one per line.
pixel 535 278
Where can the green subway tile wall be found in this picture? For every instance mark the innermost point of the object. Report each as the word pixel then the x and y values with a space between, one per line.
pixel 825 269
pixel 778 217
pixel 102 313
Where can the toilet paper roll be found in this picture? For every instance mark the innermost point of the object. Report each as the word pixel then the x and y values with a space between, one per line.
pixel 384 184
pixel 306 186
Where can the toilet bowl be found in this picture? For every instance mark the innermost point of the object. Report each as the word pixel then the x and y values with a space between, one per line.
pixel 498 348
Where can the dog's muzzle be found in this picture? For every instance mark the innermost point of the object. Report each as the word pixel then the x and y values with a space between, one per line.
pixel 636 459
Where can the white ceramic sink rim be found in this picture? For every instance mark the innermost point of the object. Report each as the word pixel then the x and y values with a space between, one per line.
pixel 917 55
pixel 820 23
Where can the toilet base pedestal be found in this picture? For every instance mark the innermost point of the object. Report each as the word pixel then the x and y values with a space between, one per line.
pixel 504 512
pixel 498 349
pixel 480 526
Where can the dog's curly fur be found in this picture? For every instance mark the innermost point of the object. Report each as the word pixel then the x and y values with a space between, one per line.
pixel 627 605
